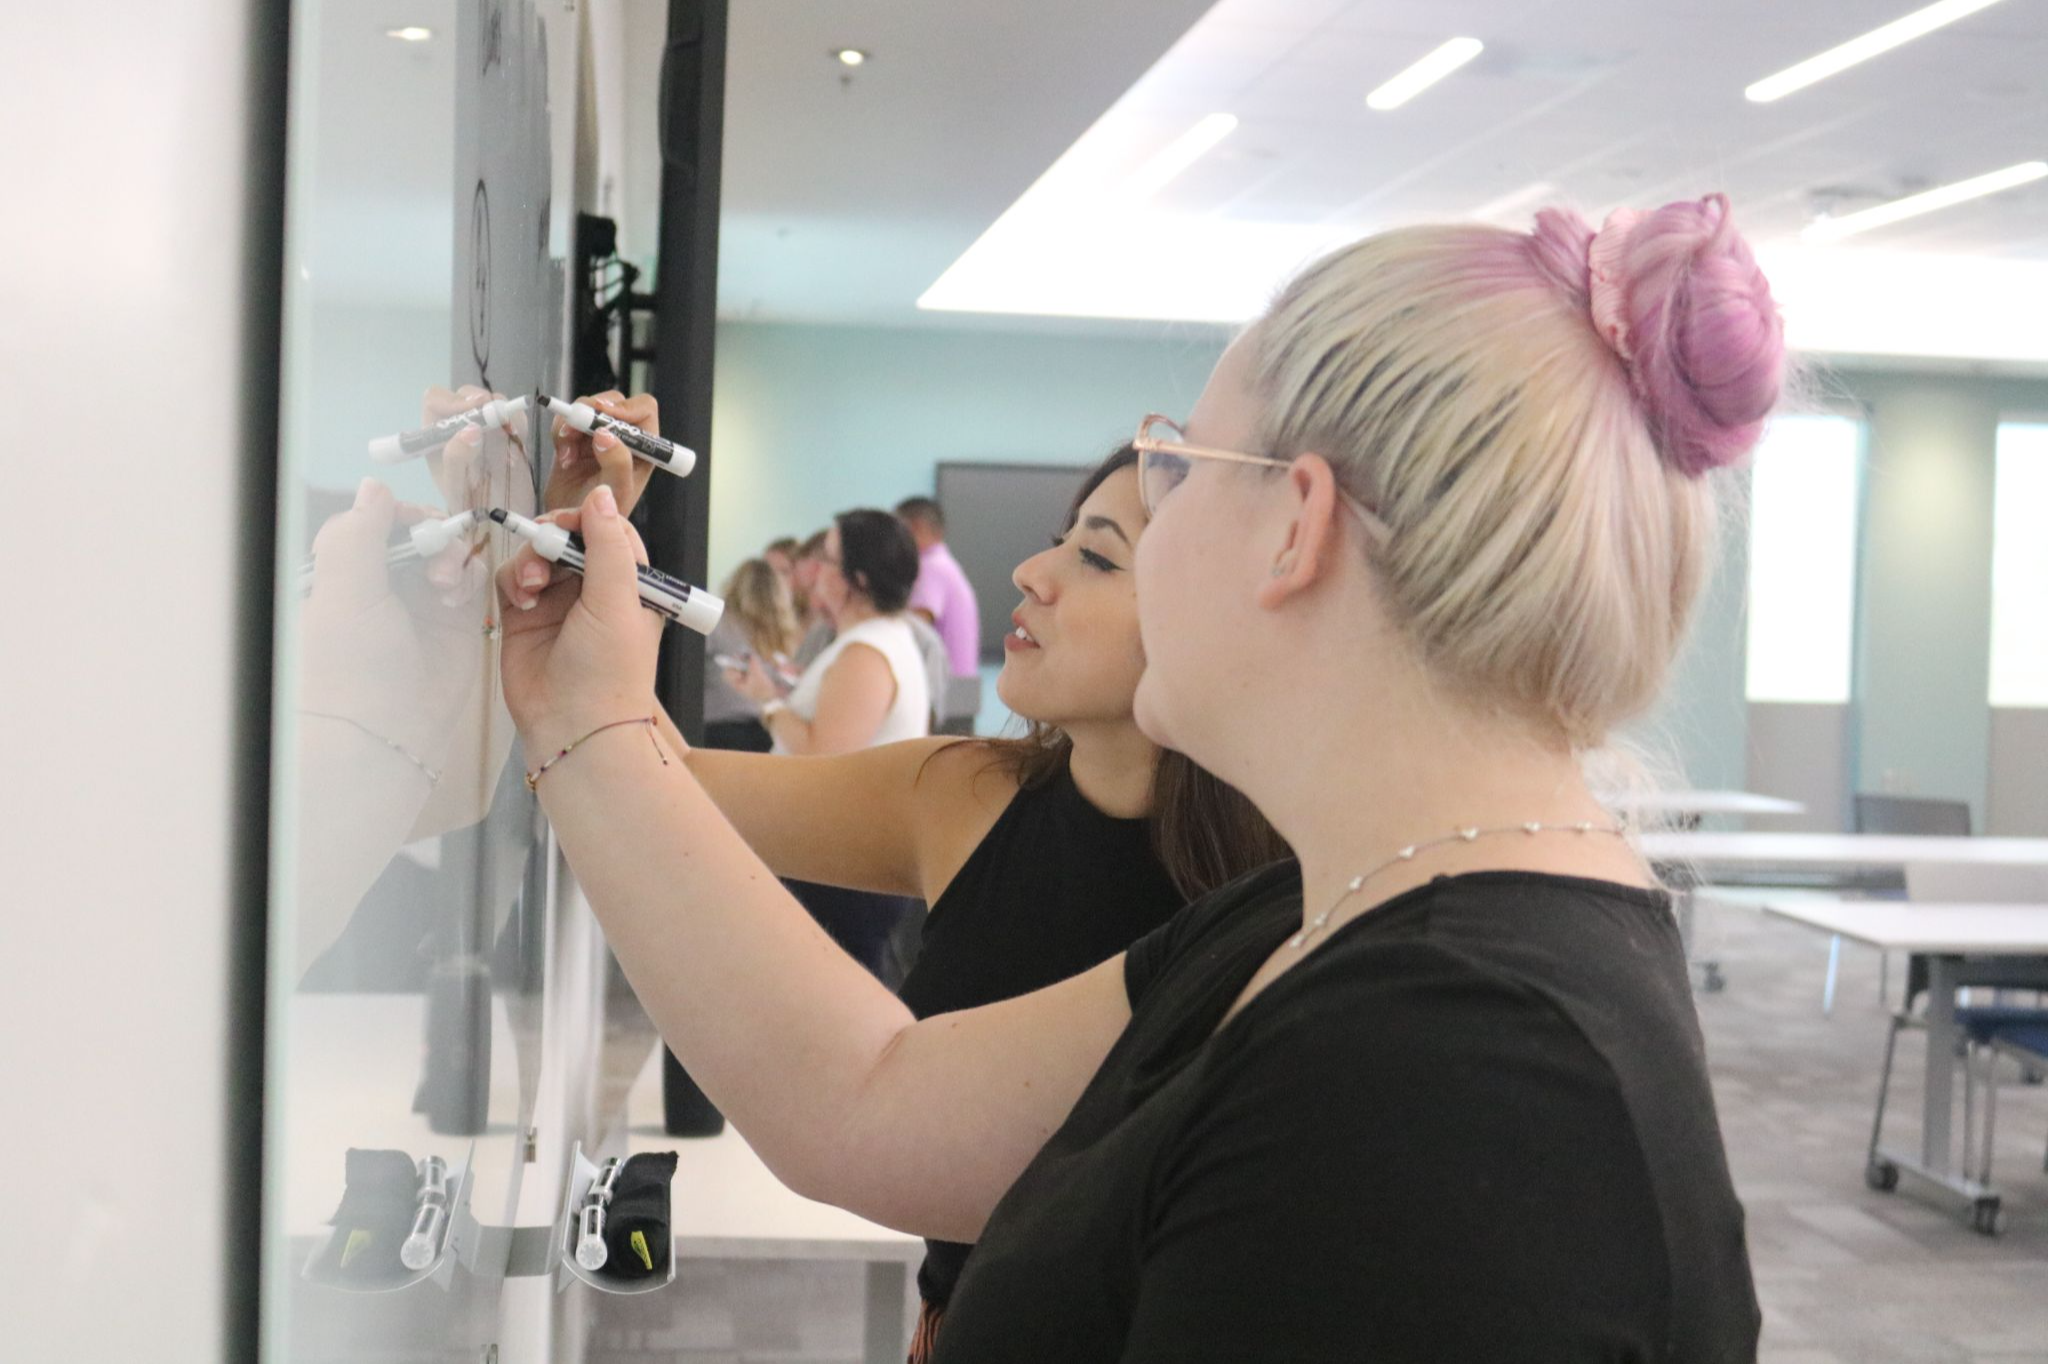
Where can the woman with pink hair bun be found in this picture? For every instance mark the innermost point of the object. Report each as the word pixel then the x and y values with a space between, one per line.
pixel 1679 297
pixel 1437 1091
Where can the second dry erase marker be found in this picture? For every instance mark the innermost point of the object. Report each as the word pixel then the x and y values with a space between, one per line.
pixel 410 445
pixel 659 592
pixel 656 450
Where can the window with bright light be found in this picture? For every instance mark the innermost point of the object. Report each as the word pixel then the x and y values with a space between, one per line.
pixel 2019 567
pixel 1804 505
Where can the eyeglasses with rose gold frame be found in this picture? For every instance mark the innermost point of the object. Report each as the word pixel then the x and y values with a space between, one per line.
pixel 1163 463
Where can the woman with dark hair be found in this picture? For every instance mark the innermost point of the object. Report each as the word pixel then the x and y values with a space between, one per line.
pixel 869 686
pixel 1039 856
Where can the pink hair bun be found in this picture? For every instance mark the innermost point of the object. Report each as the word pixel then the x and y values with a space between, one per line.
pixel 1679 297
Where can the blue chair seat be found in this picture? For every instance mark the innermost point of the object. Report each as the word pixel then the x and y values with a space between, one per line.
pixel 2029 1037
pixel 1983 1023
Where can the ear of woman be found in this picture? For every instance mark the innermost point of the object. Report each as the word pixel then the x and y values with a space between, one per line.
pixel 1313 533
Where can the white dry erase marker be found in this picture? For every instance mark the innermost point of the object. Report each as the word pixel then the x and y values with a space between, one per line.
pixel 425 540
pixel 424 1243
pixel 410 445
pixel 591 1251
pixel 659 592
pixel 663 454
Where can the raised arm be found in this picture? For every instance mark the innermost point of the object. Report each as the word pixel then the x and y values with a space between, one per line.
pixel 920 1125
pixel 898 819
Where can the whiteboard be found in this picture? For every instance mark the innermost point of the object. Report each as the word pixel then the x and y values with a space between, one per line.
pixel 408 903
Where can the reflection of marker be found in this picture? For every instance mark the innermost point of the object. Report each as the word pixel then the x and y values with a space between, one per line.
pixel 410 445
pixel 663 454
pixel 659 592
pixel 420 1248
pixel 591 1252
pixel 425 540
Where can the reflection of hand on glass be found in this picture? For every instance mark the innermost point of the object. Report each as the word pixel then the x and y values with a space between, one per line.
pixel 583 461
pixel 388 666
pixel 463 468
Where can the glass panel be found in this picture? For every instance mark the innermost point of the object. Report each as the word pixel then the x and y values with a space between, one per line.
pixel 407 897
pixel 2019 568
pixel 1804 514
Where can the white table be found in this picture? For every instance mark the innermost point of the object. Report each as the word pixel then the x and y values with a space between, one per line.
pixel 1688 856
pixel 1693 804
pixel 729 1206
pixel 1840 853
pixel 1996 942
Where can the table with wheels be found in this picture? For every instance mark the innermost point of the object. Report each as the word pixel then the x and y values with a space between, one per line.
pixel 1686 859
pixel 1996 941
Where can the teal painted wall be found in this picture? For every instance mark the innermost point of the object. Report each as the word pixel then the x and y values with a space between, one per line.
pixel 809 421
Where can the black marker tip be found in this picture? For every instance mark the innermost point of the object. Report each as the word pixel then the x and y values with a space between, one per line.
pixel 497 514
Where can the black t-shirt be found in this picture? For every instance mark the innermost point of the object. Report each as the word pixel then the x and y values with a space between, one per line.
pixel 1475 1124
pixel 1055 888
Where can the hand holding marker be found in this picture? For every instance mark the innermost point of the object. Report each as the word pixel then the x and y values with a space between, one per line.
pixel 659 592
pixel 656 450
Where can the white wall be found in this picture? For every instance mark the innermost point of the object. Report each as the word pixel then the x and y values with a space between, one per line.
pixel 122 290
pixel 1923 719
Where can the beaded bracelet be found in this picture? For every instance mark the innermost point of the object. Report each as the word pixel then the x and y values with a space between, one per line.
pixel 533 778
pixel 433 775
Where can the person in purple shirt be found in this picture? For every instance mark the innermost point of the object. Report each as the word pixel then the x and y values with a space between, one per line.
pixel 943 595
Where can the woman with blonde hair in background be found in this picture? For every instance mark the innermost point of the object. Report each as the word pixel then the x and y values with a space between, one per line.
pixel 760 623
pixel 1435 528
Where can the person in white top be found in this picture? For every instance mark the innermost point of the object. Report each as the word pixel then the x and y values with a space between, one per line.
pixel 870 685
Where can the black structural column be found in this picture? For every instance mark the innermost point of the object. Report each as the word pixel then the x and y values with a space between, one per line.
pixel 677 519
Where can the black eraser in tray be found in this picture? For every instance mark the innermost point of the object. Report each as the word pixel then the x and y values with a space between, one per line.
pixel 636 1225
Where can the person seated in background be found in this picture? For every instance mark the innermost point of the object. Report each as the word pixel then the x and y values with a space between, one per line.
pixel 759 623
pixel 943 595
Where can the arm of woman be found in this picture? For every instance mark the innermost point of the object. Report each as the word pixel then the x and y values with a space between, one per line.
pixel 853 699
pixel 898 819
pixel 917 1125
pixel 922 1125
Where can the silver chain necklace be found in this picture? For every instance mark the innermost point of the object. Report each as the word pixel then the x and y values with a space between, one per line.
pixel 1467 835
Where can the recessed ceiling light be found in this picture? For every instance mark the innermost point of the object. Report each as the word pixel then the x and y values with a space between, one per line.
pixel 413 34
pixel 850 56
pixel 1425 73
pixel 1179 154
pixel 1913 205
pixel 1879 40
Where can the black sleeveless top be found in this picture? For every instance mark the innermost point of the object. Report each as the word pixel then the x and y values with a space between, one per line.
pixel 1054 889
pixel 1473 1124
